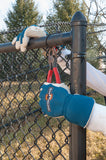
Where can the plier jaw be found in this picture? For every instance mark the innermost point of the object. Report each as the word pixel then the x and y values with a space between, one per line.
pixel 52 60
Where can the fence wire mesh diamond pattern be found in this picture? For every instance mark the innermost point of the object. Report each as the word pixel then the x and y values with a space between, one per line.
pixel 24 132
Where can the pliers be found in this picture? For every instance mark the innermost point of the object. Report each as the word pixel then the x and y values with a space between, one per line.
pixel 52 60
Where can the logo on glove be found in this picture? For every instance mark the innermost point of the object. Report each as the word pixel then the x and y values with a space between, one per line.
pixel 48 98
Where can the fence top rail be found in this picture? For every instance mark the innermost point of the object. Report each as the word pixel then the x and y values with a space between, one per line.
pixel 48 41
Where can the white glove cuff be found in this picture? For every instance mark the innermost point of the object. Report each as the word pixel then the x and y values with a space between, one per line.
pixel 59 85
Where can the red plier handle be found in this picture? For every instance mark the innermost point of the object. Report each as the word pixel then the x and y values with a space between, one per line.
pixel 57 76
pixel 52 58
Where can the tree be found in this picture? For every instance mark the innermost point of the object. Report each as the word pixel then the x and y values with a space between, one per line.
pixel 64 10
pixel 95 43
pixel 24 13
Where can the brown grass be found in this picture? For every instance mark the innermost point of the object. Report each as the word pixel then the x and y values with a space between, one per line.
pixel 27 139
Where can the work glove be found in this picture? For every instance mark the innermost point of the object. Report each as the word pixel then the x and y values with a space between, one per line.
pixel 62 61
pixel 64 52
pixel 95 79
pixel 55 101
pixel 21 41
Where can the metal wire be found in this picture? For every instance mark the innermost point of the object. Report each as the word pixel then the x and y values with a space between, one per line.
pixel 97 31
pixel 24 132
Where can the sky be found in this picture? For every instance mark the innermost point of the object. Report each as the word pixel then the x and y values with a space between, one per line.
pixel 43 6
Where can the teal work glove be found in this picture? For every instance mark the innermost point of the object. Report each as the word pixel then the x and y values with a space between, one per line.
pixel 55 101
pixel 21 41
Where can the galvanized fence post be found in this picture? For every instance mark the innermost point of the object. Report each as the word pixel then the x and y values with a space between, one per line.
pixel 78 82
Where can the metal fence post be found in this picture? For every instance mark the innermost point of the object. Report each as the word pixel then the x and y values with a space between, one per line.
pixel 78 82
pixel 105 99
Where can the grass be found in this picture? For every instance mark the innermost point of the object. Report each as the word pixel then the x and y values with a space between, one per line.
pixel 96 146
pixel 38 135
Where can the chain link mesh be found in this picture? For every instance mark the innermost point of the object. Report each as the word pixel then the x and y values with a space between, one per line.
pixel 24 132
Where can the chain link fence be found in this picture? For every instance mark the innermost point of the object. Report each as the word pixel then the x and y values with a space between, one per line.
pixel 24 132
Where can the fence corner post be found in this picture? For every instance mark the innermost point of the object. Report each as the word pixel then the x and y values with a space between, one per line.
pixel 78 82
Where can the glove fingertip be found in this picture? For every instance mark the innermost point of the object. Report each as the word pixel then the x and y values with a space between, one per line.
pixel 14 41
pixel 22 48
pixel 17 46
pixel 25 41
